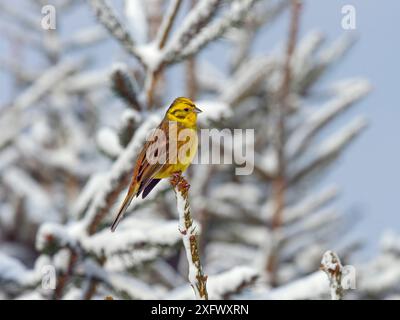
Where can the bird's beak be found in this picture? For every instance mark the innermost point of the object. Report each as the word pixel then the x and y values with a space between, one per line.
pixel 197 110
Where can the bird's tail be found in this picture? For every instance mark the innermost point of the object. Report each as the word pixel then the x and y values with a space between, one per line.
pixel 124 206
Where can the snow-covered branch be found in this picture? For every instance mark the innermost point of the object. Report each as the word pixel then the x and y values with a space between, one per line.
pixel 331 265
pixel 112 23
pixel 188 229
pixel 166 24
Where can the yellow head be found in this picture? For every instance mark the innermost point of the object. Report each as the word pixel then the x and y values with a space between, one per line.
pixel 184 111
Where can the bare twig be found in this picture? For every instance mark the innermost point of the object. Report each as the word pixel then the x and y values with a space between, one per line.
pixel 190 237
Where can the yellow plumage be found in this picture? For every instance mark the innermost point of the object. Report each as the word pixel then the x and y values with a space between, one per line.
pixel 177 149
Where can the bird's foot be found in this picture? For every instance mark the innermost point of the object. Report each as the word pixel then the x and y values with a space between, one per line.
pixel 177 180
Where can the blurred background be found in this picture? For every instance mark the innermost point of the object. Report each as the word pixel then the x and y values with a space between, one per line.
pixel 76 101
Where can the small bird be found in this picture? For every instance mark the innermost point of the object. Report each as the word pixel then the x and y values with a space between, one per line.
pixel 176 152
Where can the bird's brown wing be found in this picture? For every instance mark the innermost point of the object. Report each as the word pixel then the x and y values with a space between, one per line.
pixel 158 148
pixel 144 171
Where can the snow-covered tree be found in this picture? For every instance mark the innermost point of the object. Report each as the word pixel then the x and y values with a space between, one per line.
pixel 83 98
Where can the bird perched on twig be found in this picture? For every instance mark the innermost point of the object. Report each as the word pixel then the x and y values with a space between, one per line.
pixel 168 150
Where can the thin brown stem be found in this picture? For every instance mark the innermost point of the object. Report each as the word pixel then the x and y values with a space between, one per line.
pixel 190 66
pixel 167 23
pixel 191 82
pixel 279 184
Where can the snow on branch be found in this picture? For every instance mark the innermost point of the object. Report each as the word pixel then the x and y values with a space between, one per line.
pixel 197 18
pixel 47 81
pixel 231 282
pixel 136 16
pixel 189 233
pixel 143 241
pixel 84 38
pixel 223 285
pixel 330 148
pixel 314 223
pixel 121 283
pixel 313 286
pixel 108 142
pixel 84 81
pixel 347 96
pixel 52 236
pixel 13 271
pixel 39 207
pixel 314 70
pixel 28 21
pixel 303 208
pixel 112 23
pixel 333 53
pixel 331 265
pixel 28 98
pixel 87 194
pixel 247 78
pixel 310 204
pixel 303 62
pixel 216 29
pixel 390 242
pixel 166 24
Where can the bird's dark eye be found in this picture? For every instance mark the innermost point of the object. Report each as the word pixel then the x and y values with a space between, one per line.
pixel 186 109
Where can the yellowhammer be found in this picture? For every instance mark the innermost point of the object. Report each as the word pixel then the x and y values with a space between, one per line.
pixel 170 149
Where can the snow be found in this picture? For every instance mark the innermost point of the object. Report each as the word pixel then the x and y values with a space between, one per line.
pixel 313 286
pixel 135 14
pixel 228 282
pixel 37 201
pixel 234 192
pixel 12 270
pixel 84 37
pixel 390 242
pixel 87 194
pixel 64 170
pixel 247 78
pixel 218 27
pixel 134 287
pixel 340 139
pixel 310 204
pixel 52 232
pixel 347 94
pixel 85 81
pixel 201 12
pixel 225 283
pixel 47 81
pixel 108 142
pixel 212 110
pixel 303 54
pixel 61 260
pixel 149 233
